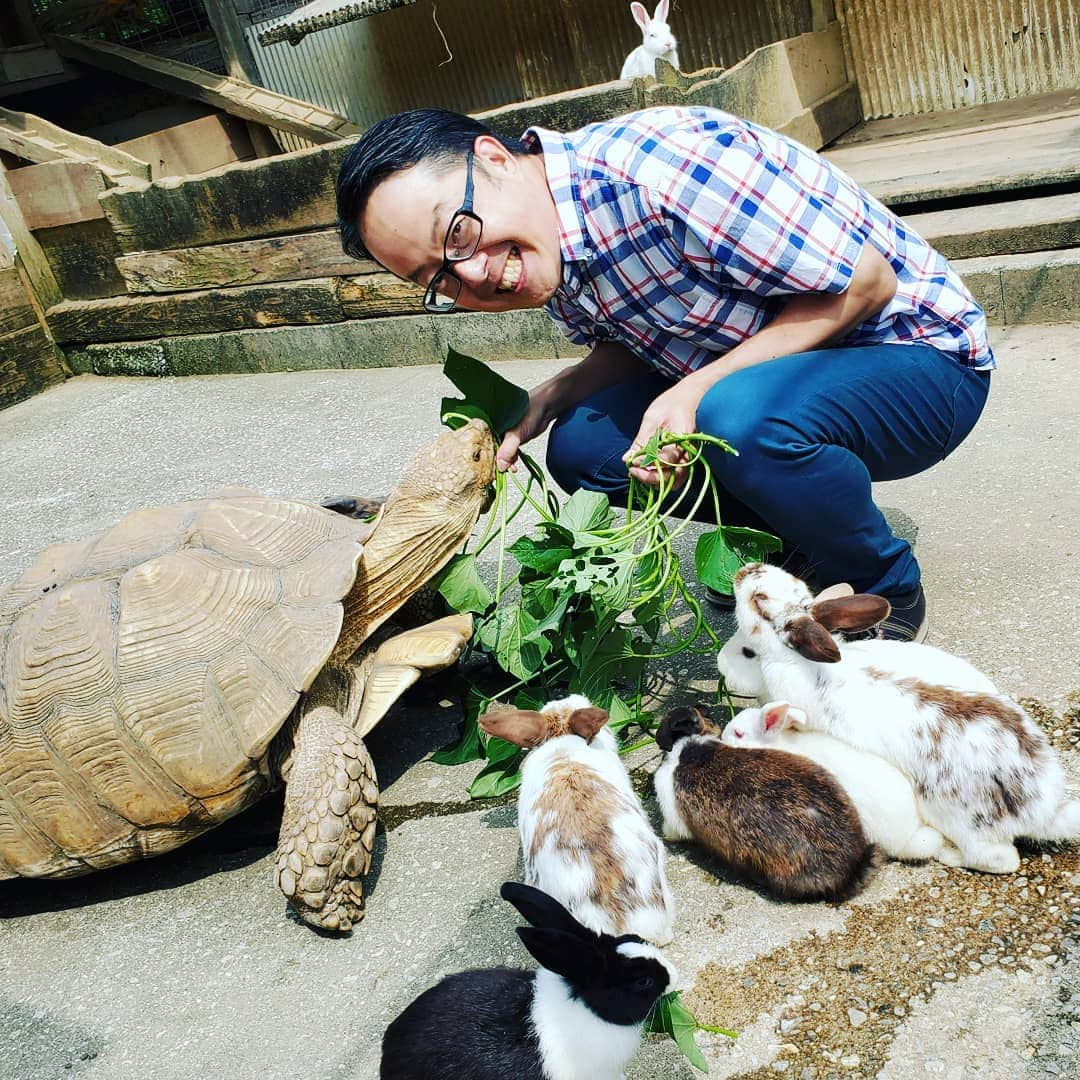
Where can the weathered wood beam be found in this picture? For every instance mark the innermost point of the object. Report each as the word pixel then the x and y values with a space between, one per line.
pixel 209 311
pixel 231 95
pixel 38 140
pixel 286 194
pixel 247 262
pixel 30 256
pixel 58 192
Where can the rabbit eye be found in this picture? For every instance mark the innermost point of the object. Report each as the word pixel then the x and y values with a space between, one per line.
pixel 645 982
pixel 748 652
pixel 738 734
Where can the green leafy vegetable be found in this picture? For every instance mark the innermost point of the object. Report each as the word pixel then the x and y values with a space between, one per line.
pixel 592 594
pixel 487 394
pixel 671 1017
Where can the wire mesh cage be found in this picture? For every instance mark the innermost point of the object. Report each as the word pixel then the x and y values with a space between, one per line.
pixel 177 29
pixel 292 20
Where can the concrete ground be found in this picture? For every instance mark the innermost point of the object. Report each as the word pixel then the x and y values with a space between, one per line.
pixel 190 966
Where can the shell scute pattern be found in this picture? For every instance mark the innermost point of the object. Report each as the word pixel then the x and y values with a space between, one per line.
pixel 144 672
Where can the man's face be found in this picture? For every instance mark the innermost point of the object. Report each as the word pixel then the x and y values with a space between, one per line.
pixel 518 263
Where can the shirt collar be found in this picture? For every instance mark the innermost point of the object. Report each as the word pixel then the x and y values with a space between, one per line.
pixel 564 181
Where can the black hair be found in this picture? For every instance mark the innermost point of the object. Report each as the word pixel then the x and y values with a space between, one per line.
pixel 396 143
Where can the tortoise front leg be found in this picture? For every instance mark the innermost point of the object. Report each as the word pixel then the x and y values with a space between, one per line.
pixel 328 827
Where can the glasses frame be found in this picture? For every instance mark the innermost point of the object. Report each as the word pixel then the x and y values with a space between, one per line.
pixel 442 302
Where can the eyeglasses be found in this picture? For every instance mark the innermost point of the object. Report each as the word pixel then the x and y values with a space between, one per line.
pixel 462 240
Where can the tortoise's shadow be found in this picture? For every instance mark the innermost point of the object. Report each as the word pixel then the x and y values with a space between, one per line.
pixel 415 729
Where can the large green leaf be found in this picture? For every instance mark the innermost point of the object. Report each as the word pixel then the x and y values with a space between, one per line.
pixel 487 394
pixel 504 633
pixel 720 552
pixel 715 562
pixel 586 511
pixel 671 1017
pixel 538 554
pixel 460 586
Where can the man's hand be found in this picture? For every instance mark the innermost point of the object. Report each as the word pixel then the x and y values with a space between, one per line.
pixel 532 424
pixel 675 410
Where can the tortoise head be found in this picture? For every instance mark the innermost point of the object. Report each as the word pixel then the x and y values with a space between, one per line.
pixel 442 492
pixel 451 476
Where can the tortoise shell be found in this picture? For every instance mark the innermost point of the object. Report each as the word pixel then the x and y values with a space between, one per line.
pixel 145 671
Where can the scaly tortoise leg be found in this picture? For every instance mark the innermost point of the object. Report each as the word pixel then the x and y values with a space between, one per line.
pixel 354 506
pixel 328 826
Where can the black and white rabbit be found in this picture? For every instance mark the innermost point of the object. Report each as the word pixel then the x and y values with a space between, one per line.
pixel 579 1017
pixel 776 819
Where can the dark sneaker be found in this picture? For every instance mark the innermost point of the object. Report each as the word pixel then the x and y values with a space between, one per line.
pixel 794 562
pixel 906 622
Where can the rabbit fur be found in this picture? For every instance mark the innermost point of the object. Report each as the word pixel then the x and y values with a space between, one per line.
pixel 657 41
pixel 579 1017
pixel 883 796
pixel 776 819
pixel 982 770
pixel 584 835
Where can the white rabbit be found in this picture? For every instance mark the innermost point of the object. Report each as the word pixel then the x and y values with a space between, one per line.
pixel 584 835
pixel 658 40
pixel 983 771
pixel 579 1017
pixel 740 665
pixel 883 796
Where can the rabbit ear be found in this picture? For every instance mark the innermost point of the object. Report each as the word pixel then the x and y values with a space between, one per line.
pixel 778 715
pixel 536 907
pixel 522 727
pixel 661 11
pixel 809 638
pixel 587 722
pixel 641 16
pixel 833 591
pixel 578 960
pixel 851 613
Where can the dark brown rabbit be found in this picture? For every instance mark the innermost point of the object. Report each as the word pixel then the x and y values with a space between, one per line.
pixel 775 819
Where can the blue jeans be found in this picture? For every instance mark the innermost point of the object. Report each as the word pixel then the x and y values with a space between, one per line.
pixel 812 430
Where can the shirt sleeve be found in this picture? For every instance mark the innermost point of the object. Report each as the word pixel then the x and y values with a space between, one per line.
pixel 771 220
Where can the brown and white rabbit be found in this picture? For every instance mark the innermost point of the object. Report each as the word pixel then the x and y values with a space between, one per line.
pixel 584 835
pixel 657 40
pixel 775 819
pixel 982 769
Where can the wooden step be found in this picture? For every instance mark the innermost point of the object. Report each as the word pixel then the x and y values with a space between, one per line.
pixel 1036 144
pixel 1004 228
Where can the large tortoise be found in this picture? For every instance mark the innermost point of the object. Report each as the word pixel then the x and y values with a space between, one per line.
pixel 160 677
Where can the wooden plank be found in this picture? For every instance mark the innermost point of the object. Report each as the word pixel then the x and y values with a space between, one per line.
pixel 1004 228
pixel 30 256
pixel 247 262
pixel 380 294
pixel 210 311
pixel 82 259
pixel 58 192
pixel 196 147
pixel 233 96
pixel 38 140
pixel 16 310
pixel 287 194
pixel 934 165
pixel 29 362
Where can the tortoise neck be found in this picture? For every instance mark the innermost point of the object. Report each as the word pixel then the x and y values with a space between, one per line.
pixel 403 553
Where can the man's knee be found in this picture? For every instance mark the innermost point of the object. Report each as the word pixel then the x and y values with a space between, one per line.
pixel 740 410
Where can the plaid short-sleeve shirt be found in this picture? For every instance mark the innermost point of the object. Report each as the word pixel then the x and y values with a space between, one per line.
pixel 684 231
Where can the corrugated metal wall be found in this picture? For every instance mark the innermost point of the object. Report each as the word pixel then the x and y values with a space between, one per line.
pixel 914 56
pixel 504 50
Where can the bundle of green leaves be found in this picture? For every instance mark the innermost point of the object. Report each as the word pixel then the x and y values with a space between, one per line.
pixel 592 594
